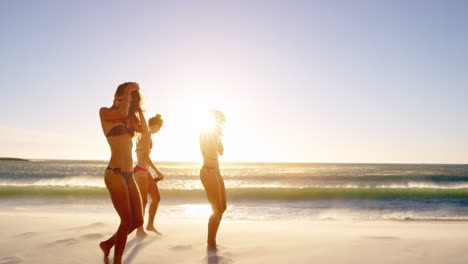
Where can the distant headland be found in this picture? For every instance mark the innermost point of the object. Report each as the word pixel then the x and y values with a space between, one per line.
pixel 13 159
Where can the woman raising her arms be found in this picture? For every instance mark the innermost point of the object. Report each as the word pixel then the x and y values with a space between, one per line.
pixel 211 146
pixel 119 123
pixel 146 183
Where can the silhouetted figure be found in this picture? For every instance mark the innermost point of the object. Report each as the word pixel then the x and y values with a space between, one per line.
pixel 211 146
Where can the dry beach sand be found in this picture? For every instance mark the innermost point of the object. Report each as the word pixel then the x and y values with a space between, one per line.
pixel 67 237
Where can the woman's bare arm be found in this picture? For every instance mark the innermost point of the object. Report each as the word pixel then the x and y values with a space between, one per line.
pixel 141 126
pixel 109 114
pixel 136 124
pixel 220 147
pixel 145 151
pixel 143 123
pixel 150 162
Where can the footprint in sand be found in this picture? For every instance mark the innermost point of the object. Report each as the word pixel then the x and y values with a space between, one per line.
pixel 181 247
pixel 27 235
pixel 11 260
pixel 68 241
pixel 92 236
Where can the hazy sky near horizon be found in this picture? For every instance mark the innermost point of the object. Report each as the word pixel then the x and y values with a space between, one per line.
pixel 306 81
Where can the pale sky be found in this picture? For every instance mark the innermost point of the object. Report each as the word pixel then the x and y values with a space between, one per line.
pixel 298 81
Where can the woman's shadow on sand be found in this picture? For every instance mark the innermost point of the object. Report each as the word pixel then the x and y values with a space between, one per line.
pixel 215 257
pixel 138 243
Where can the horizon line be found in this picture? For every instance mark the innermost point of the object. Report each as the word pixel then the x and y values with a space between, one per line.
pixel 266 162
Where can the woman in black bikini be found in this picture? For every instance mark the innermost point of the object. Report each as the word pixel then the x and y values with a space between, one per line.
pixel 119 124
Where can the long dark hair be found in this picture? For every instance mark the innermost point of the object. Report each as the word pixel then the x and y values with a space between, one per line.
pixel 135 100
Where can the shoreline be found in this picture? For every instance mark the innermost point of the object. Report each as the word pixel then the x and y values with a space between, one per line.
pixel 199 209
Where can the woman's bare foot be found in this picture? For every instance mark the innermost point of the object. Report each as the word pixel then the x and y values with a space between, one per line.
pixel 141 233
pixel 152 229
pixel 105 249
pixel 211 246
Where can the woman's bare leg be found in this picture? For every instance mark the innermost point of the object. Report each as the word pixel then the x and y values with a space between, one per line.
pixel 153 208
pixel 216 194
pixel 141 178
pixel 118 191
pixel 126 199
pixel 135 203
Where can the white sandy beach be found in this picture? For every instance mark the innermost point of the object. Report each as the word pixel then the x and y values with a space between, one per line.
pixel 51 237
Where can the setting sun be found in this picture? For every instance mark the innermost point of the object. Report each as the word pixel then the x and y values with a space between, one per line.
pixel 258 132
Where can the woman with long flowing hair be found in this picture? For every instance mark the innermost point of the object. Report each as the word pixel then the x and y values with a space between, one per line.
pixel 119 123
pixel 210 175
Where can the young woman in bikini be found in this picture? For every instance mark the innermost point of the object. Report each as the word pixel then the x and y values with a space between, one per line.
pixel 211 146
pixel 119 123
pixel 146 183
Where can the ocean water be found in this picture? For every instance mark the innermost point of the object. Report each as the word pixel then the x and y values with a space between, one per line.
pixel 256 191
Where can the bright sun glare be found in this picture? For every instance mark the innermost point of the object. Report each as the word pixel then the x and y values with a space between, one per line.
pixel 198 112
pixel 208 124
pixel 197 210
pixel 184 124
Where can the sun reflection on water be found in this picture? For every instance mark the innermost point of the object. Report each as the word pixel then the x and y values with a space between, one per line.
pixel 196 210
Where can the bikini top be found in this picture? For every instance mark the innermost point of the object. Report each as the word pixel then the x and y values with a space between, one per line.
pixel 120 130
